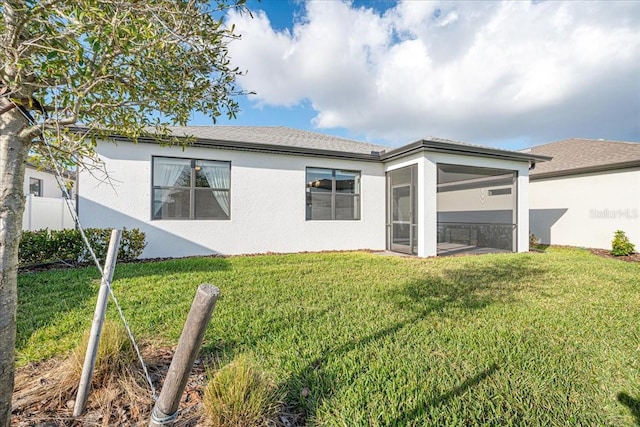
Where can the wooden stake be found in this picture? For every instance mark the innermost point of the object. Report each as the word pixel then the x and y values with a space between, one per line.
pixel 165 410
pixel 96 326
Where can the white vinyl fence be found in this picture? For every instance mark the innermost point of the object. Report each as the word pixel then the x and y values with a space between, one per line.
pixel 47 212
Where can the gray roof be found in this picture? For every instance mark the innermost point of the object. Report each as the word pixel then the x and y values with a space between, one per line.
pixel 577 155
pixel 276 136
pixel 284 140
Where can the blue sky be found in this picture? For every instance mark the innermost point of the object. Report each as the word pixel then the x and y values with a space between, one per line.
pixel 503 74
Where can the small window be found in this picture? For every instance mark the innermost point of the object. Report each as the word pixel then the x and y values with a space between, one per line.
pixel 500 191
pixel 191 189
pixel 332 194
pixel 35 187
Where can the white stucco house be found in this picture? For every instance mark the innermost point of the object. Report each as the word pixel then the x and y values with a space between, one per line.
pixel 245 189
pixel 590 189
pixel 45 206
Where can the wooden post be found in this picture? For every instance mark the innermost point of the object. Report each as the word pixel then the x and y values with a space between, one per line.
pixel 165 410
pixel 96 326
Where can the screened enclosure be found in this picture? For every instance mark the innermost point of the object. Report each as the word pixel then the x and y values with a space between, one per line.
pixel 476 209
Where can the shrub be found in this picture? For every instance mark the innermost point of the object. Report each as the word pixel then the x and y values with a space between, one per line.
pixel 54 245
pixel 34 247
pixel 240 395
pixel 66 244
pixel 132 243
pixel 620 245
pixel 533 239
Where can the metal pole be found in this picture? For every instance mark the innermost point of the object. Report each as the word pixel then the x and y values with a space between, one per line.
pixel 165 410
pixel 96 326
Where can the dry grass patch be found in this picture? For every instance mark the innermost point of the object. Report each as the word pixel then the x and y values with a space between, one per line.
pixel 240 395
pixel 53 385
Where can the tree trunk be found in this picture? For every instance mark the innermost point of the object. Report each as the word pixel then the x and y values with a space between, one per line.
pixel 13 155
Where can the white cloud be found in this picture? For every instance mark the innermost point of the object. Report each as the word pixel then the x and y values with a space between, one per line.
pixel 474 71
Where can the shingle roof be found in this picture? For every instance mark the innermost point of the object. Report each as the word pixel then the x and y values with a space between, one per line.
pixel 284 140
pixel 576 155
pixel 278 136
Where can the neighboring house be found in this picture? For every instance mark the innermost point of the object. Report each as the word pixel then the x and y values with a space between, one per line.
pixel 45 206
pixel 242 190
pixel 589 190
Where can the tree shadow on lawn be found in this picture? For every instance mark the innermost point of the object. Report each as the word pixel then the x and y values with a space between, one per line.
pixel 632 404
pixel 251 337
pixel 415 414
pixel 155 267
pixel 313 383
pixel 469 286
pixel 45 297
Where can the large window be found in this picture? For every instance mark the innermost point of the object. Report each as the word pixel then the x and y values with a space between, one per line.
pixel 190 189
pixel 333 194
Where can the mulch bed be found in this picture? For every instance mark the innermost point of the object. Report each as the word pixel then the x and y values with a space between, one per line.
pixel 605 253
pixel 46 413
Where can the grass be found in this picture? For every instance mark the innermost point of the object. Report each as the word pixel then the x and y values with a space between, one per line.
pixel 238 394
pixel 362 339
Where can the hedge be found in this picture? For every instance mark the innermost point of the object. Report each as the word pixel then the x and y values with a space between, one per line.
pixel 41 246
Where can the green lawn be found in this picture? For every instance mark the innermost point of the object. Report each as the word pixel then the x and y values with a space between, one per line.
pixel 507 339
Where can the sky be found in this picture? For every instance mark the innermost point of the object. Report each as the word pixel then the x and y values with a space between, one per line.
pixel 503 74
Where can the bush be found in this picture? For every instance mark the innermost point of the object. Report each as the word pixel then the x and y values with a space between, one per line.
pixel 240 395
pixel 620 245
pixel 533 239
pixel 67 245
pixel 132 243
pixel 35 246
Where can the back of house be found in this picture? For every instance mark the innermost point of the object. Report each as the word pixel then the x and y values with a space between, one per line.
pixel 257 189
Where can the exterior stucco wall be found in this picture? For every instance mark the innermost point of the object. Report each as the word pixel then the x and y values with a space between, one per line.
pixel 475 199
pixel 267 204
pixel 585 210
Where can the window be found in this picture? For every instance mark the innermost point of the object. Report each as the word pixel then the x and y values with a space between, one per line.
pixel 35 187
pixel 500 191
pixel 333 194
pixel 190 189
